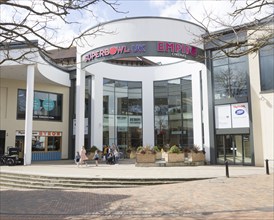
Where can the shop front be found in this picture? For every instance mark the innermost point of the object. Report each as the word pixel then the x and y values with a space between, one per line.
pixel 46 145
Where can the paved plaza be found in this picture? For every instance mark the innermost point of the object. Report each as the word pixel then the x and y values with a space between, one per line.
pixel 248 194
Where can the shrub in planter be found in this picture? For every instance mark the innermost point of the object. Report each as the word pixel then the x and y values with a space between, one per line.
pixel 146 150
pixel 156 149
pixel 174 149
pixel 186 151
pixel 197 154
pixel 158 153
pixel 145 154
pixel 174 155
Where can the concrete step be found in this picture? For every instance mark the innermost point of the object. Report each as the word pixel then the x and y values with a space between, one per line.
pixel 62 187
pixel 49 182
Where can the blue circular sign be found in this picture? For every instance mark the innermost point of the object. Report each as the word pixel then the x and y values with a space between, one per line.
pixel 36 104
pixel 239 112
pixel 48 104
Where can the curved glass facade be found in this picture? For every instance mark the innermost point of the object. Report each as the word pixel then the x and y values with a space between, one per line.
pixel 173 120
pixel 122 108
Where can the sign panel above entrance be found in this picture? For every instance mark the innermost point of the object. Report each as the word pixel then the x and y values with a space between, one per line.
pixel 141 48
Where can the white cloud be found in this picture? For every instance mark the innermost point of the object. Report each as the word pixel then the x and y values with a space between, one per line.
pixel 172 9
pixel 202 10
pixel 158 3
pixel 61 33
pixel 53 28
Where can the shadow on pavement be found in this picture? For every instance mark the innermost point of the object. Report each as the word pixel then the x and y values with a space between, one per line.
pixel 53 204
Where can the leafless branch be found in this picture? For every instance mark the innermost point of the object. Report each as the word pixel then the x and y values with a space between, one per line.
pixel 34 20
pixel 244 38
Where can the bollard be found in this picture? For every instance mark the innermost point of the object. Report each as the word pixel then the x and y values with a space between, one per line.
pixel 267 167
pixel 226 169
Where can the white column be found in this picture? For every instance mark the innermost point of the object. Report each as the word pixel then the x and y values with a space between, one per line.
pixel 29 115
pixel 197 109
pixel 97 112
pixel 80 109
pixel 205 115
pixel 148 113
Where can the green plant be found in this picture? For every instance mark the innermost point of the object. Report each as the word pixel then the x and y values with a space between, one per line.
pixel 156 149
pixel 93 149
pixel 145 150
pixel 174 149
pixel 140 149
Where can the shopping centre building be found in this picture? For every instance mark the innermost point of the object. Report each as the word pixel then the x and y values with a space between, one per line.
pixel 146 81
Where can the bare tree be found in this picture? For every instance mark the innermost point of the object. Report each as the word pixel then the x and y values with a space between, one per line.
pixel 253 32
pixel 230 83
pixel 37 19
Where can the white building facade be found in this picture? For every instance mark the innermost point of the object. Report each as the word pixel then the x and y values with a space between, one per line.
pixel 143 37
pixel 145 81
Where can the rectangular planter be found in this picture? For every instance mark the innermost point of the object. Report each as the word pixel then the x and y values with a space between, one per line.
pixel 158 155
pixel 174 157
pixel 145 158
pixel 196 157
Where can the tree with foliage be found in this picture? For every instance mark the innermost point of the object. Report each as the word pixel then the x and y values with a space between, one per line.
pixel 36 23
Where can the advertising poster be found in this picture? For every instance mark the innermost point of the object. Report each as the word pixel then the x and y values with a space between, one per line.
pixel 240 116
pixel 222 116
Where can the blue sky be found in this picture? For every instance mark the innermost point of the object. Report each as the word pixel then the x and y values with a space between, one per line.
pixel 200 9
pixel 137 8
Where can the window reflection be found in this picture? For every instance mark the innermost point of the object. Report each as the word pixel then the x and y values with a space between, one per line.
pixel 267 67
pixel 122 108
pixel 173 112
pixel 46 106
pixel 229 76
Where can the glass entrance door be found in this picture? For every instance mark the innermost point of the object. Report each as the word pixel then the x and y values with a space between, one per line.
pixel 233 148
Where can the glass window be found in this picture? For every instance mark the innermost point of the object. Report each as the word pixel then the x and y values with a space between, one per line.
pixel 267 67
pixel 122 108
pixel 43 143
pixel 38 143
pixel 46 106
pixel 187 117
pixel 108 105
pixel 121 97
pixel 87 96
pixel 219 58
pixel 21 104
pixel 134 98
pixel 229 75
pixel 173 112
pixel 54 143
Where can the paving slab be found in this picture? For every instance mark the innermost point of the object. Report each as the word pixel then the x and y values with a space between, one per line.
pixel 247 197
pixel 127 169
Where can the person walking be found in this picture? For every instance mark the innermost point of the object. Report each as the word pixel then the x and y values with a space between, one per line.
pixel 96 157
pixel 77 158
pixel 83 156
